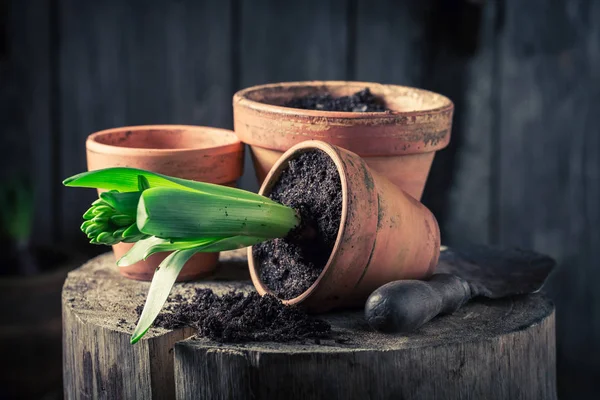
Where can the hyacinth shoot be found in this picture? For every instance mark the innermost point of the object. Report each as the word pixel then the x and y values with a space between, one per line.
pixel 160 213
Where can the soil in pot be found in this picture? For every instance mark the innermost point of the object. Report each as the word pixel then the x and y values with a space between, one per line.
pixel 311 185
pixel 362 101
pixel 237 317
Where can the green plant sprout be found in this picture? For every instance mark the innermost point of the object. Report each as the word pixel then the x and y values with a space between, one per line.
pixel 160 213
pixel 16 211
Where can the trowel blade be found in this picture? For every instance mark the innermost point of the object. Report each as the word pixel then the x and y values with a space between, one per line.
pixel 495 272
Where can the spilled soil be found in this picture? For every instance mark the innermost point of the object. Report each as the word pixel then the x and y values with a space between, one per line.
pixel 362 101
pixel 311 185
pixel 236 317
pixel 288 266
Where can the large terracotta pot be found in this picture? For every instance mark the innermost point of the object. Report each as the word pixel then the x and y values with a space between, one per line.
pixel 190 152
pixel 384 235
pixel 399 145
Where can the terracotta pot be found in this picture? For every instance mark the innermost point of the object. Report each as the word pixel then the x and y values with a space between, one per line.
pixel 384 235
pixel 400 145
pixel 190 152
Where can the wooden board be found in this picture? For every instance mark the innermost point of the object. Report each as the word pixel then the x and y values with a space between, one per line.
pixel 471 207
pixel 447 47
pixel 489 349
pixel 27 108
pixel 525 173
pixel 549 169
pixel 154 62
pixel 289 41
pixel 390 41
pixel 98 319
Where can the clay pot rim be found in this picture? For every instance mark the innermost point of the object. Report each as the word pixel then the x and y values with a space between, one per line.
pixel 230 142
pixel 242 98
pixel 265 188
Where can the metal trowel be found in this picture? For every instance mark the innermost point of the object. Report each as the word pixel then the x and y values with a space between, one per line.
pixel 461 274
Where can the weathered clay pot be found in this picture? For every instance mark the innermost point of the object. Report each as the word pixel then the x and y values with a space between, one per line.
pixel 400 145
pixel 190 152
pixel 384 235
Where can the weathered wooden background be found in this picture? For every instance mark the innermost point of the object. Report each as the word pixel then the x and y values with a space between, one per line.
pixel 524 164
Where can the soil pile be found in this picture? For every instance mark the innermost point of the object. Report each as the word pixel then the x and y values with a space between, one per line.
pixel 236 317
pixel 363 101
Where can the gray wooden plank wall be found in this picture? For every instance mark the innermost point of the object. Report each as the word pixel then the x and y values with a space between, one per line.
pixel 26 106
pixel 130 63
pixel 523 167
pixel 549 166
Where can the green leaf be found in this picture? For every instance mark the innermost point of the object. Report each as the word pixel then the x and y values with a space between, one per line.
pixel 90 213
pixel 132 231
pixel 127 180
pixel 100 220
pixel 178 245
pixel 124 203
pixel 16 210
pixel 102 210
pixel 105 238
pixel 162 282
pixel 230 243
pixel 94 230
pixel 145 248
pixel 175 213
pixel 85 225
pixel 143 183
pixel 122 220
pixel 118 234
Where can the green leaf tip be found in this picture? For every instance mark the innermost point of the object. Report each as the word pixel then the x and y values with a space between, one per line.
pixel 160 287
pixel 67 182
pixel 143 183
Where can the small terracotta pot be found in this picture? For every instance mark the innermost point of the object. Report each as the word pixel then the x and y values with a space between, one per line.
pixel 400 145
pixel 384 235
pixel 190 152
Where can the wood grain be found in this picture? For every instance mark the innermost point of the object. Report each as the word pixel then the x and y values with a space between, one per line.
pixel 525 170
pixel 471 208
pixel 27 135
pixel 98 319
pixel 550 165
pixel 487 350
pixel 447 47
pixel 290 41
pixel 145 63
pixel 390 41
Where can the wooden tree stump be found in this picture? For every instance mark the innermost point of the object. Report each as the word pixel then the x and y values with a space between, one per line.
pixel 502 349
pixel 98 309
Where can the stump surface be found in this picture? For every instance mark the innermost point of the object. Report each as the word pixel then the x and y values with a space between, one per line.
pixel 489 349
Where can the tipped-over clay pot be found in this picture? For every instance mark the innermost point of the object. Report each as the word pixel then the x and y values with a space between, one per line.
pixel 399 145
pixel 190 152
pixel 384 234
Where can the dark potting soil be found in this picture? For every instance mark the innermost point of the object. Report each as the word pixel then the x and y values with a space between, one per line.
pixel 236 317
pixel 311 185
pixel 363 101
